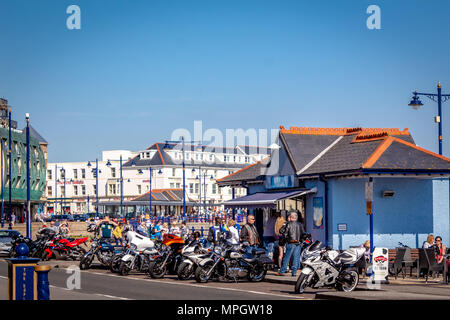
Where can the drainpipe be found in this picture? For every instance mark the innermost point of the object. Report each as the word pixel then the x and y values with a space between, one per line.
pixel 321 179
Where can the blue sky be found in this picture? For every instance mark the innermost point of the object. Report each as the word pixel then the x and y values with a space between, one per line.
pixel 137 70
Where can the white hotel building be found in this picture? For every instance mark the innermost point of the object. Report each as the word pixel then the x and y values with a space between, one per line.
pixel 74 188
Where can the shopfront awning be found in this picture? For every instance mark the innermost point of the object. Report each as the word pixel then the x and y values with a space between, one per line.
pixel 265 199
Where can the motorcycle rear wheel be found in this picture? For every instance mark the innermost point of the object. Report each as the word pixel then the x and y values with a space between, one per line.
pixel 155 270
pixel 302 283
pixel 201 273
pixel 257 275
pixel 353 276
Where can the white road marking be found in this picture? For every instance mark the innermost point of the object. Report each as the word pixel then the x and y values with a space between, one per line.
pixel 112 297
pixel 196 285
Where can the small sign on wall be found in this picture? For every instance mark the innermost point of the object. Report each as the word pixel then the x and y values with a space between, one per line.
pixel 342 227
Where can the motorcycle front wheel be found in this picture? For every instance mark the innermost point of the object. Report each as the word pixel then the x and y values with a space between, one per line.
pixel 124 268
pixel 201 273
pixel 86 261
pixel 349 280
pixel 185 271
pixel 302 283
pixel 156 270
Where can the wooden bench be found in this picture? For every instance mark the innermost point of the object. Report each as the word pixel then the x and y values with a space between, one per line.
pixel 414 257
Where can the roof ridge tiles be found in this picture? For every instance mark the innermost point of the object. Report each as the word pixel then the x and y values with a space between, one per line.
pixel 342 131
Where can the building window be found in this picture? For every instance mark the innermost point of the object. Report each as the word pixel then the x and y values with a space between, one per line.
pixel 191 188
pixel 178 185
pixel 49 174
pixel 75 173
pixel 49 191
pixel 83 190
pixel 83 173
pixel 196 188
pixel 95 189
pixel 139 188
pixel 173 172
pixel 113 172
pixel 112 189
pixel 75 190
pixel 63 191
pixel 211 157
pixel 225 158
pixel 172 185
pixel 214 190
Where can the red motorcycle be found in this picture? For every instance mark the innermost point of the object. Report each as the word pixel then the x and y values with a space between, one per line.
pixel 64 249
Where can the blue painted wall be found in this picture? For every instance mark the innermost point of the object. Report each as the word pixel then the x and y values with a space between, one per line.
pixel 419 207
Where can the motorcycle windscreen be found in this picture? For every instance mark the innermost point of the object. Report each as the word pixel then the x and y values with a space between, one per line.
pixel 315 246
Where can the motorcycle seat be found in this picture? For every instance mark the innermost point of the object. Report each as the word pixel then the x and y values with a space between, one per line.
pixel 344 258
pixel 258 251
pixel 250 260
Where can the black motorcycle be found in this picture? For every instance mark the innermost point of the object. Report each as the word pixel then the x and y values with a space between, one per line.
pixel 229 263
pixel 100 248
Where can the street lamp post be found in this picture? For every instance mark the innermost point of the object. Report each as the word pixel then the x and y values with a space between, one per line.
pixel 27 118
pixel 199 178
pixel 184 164
pixel 56 190
pixel 108 164
pixel 63 196
pixel 150 187
pixel 96 184
pixel 10 170
pixel 439 98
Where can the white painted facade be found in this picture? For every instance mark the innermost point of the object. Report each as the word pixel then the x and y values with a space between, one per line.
pixel 80 182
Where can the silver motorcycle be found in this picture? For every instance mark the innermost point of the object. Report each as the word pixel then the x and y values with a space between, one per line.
pixel 324 267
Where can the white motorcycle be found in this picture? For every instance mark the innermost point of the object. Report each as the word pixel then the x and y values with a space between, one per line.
pixel 192 254
pixel 323 267
pixel 137 255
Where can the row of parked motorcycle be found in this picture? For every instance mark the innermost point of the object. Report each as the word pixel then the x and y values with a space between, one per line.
pixel 51 245
pixel 321 266
pixel 174 255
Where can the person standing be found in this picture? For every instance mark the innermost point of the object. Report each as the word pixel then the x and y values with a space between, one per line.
pixel 184 230
pixel 233 234
pixel 156 232
pixel 117 233
pixel 175 230
pixel 106 226
pixel 281 241
pixel 269 235
pixel 214 232
pixel 293 231
pixel 250 234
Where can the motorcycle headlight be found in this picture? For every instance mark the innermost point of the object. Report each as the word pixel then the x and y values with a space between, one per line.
pixel 163 247
pixel 218 250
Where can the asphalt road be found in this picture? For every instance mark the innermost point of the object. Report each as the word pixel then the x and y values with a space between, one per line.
pixel 98 282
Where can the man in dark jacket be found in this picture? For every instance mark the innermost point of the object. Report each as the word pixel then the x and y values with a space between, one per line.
pixel 292 231
pixel 250 234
